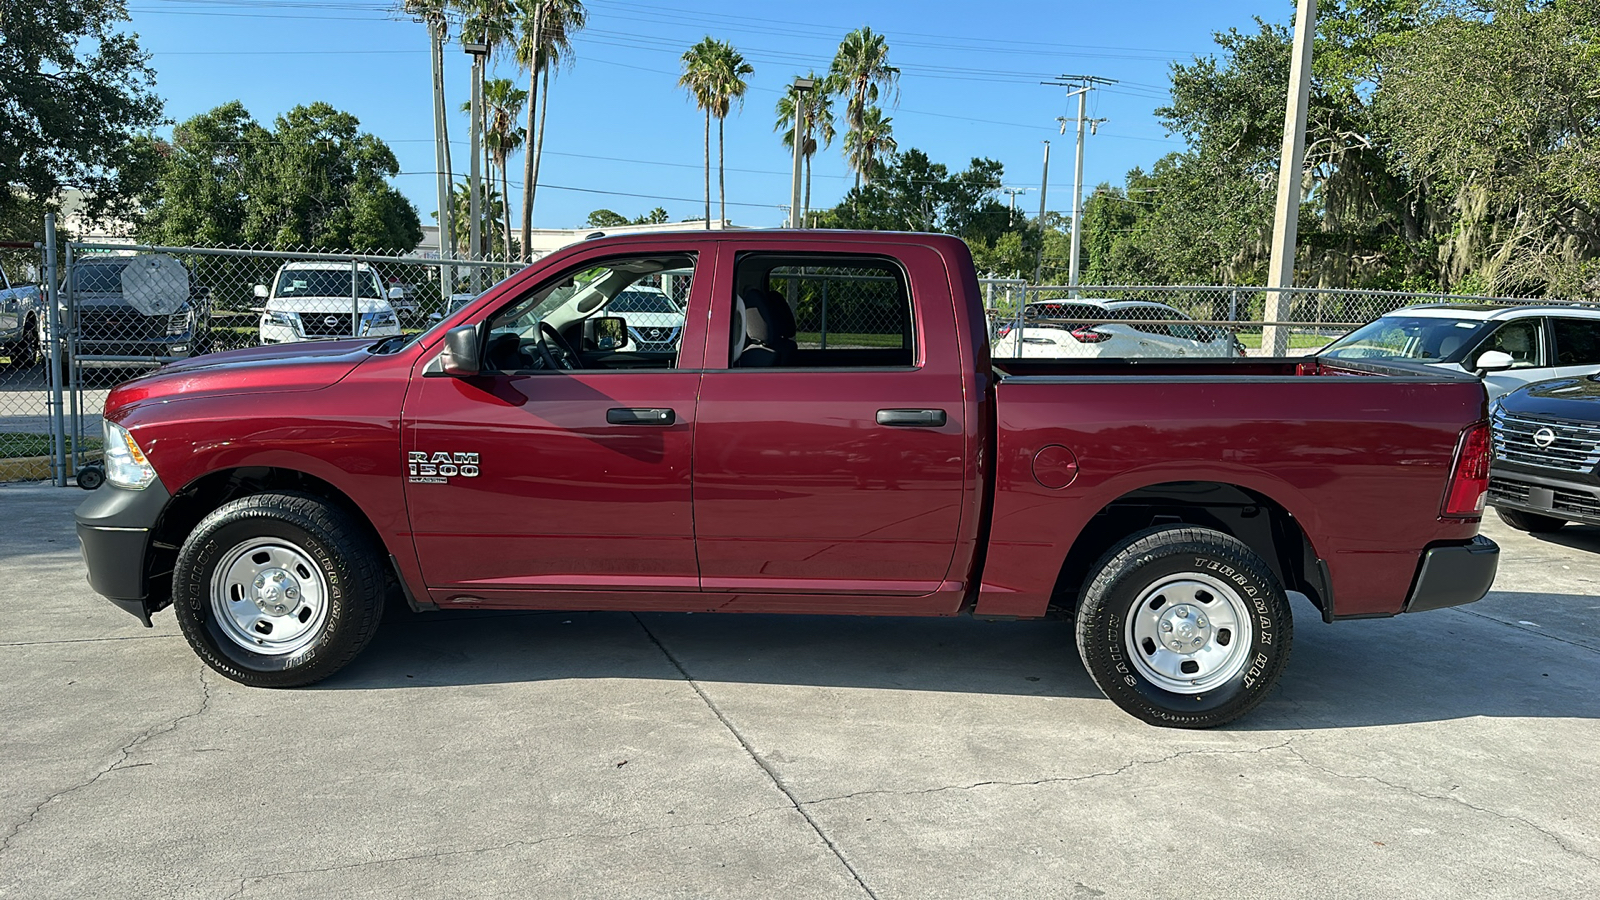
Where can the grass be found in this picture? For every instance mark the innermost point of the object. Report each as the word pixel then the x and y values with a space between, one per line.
pixel 19 444
pixel 1252 340
pixel 851 339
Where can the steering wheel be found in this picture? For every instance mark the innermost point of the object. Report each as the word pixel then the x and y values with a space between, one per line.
pixel 567 358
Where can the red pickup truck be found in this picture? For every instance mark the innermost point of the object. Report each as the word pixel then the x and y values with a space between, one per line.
pixel 826 433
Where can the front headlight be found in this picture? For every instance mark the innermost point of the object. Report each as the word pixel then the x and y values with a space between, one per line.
pixel 178 322
pixel 281 319
pixel 126 466
pixel 370 321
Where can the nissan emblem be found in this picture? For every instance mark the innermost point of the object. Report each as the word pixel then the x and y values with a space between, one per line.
pixel 1544 437
pixel 331 321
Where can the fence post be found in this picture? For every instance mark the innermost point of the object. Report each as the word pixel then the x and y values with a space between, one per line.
pixel 58 425
pixel 355 297
pixel 74 374
pixel 823 339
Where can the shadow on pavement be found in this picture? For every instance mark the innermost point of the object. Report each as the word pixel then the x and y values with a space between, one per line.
pixel 1427 667
pixel 1578 537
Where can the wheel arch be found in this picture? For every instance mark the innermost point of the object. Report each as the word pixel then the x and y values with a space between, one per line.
pixel 1263 524
pixel 200 497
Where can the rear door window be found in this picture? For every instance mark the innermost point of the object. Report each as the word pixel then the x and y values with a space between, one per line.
pixel 1577 342
pixel 1523 339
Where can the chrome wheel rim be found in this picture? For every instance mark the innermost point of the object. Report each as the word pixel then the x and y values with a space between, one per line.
pixel 1189 633
pixel 269 597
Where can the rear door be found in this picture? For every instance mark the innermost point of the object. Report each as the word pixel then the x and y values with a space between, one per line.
pixel 840 470
pixel 1577 345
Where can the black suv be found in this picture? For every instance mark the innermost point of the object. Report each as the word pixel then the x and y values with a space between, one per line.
pixel 1546 454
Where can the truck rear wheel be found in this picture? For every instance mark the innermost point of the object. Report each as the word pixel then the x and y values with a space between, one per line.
pixel 278 589
pixel 1184 627
pixel 1533 523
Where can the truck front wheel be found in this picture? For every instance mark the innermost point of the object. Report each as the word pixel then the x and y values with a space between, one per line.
pixel 278 589
pixel 1184 627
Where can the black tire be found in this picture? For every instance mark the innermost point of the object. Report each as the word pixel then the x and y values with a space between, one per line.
pixel 1216 562
pixel 25 354
pixel 343 553
pixel 1533 523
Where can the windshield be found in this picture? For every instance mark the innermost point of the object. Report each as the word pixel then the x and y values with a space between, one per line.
pixel 1407 337
pixel 324 283
pixel 98 278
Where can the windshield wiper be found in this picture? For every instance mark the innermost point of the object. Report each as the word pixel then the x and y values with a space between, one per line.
pixel 389 344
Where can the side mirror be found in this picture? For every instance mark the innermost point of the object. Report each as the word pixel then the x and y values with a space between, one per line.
pixel 397 293
pixel 261 292
pixel 460 356
pixel 605 332
pixel 1494 361
pixel 435 317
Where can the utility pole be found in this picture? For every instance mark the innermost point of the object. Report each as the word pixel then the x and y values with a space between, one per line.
pixel 802 92
pixel 1013 191
pixel 1286 218
pixel 1044 191
pixel 441 156
pixel 478 52
pixel 1083 84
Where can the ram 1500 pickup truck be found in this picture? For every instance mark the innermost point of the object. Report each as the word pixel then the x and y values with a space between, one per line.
pixel 829 435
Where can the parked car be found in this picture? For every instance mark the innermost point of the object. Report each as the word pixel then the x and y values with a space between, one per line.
pixel 140 309
pixel 1546 469
pixel 655 320
pixel 322 300
pixel 1506 347
pixel 22 314
pixel 1089 328
pixel 524 454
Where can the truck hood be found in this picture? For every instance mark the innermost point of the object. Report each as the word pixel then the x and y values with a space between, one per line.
pixel 1574 397
pixel 332 306
pixel 276 368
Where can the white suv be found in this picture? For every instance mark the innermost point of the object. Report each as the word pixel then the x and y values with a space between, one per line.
pixel 1507 347
pixel 312 301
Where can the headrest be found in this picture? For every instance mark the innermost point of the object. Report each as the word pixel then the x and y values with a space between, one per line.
pixel 758 319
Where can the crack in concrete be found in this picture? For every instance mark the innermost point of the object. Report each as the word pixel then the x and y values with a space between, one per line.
pixel 120 762
pixel 1407 789
pixel 131 637
pixel 1526 630
pixel 771 773
pixel 1061 779
pixel 521 843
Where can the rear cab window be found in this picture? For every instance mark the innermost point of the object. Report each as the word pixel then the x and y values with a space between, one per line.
pixel 820 311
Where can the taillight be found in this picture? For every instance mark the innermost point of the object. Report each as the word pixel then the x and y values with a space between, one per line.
pixel 1089 335
pixel 1469 482
pixel 1005 330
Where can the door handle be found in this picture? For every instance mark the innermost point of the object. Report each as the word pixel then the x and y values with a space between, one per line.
pixel 912 418
pixel 640 417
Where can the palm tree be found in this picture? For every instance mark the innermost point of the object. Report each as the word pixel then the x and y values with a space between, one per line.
pixel 731 70
pixel 864 145
pixel 699 78
pixel 860 68
pixel 544 44
pixel 491 213
pixel 503 102
pixel 816 108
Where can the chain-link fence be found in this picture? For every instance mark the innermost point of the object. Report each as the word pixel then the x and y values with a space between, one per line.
pixel 1187 320
pixel 25 430
pixel 125 308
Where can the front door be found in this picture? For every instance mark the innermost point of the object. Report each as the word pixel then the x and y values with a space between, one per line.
pixel 579 476
pixel 833 464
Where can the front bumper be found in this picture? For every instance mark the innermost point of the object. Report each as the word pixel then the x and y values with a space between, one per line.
pixel 1548 495
pixel 114 526
pixel 1454 574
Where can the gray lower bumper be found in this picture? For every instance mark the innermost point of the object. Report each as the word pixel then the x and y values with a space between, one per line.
pixel 114 533
pixel 1454 574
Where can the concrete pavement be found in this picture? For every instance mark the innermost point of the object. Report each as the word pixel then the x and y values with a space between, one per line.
pixel 1447 754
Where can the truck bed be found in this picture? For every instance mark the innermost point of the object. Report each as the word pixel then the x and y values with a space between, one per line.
pixel 1361 462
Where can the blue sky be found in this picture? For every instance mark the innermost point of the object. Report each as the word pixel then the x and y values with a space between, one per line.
pixel 619 124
